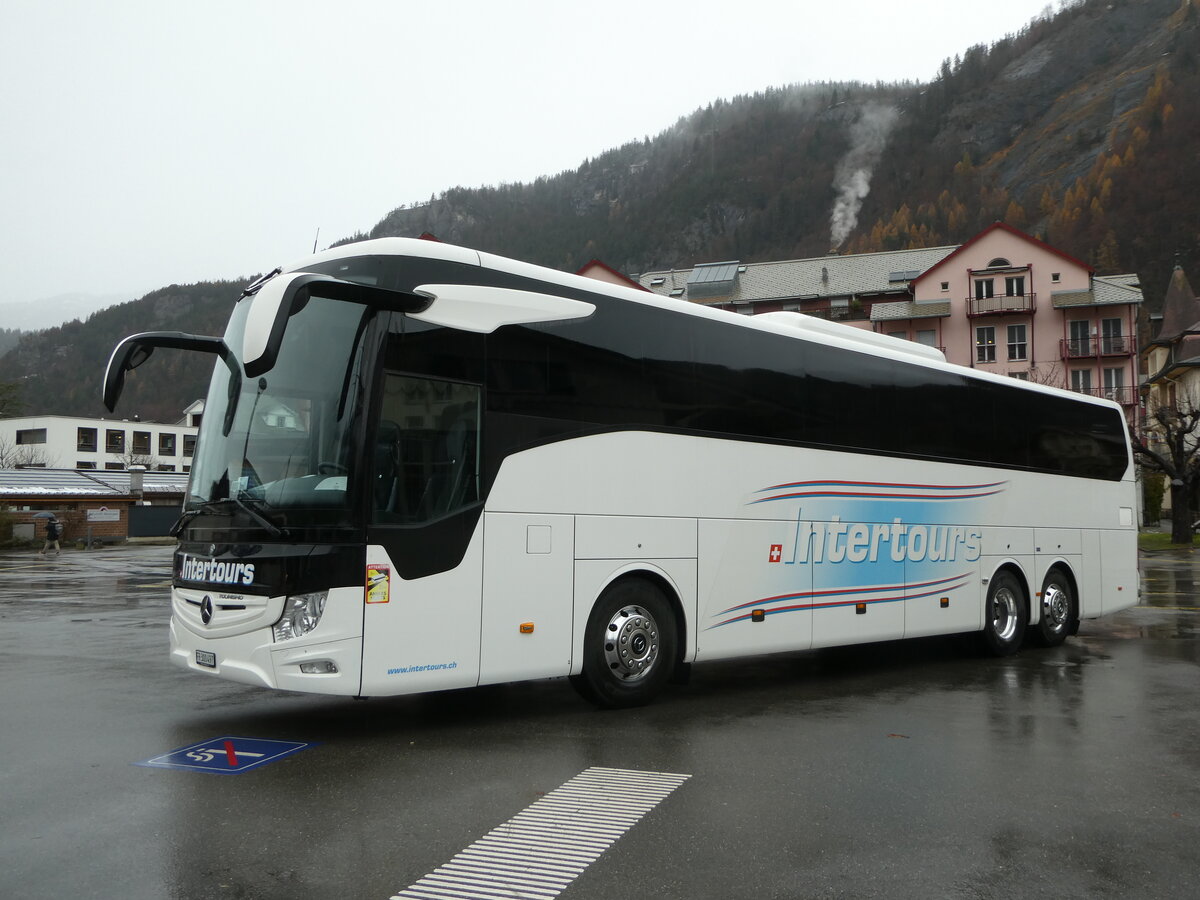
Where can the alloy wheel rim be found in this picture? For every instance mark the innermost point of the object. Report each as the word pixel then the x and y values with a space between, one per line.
pixel 1056 606
pixel 1004 614
pixel 631 643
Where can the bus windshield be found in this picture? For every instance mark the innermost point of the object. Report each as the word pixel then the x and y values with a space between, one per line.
pixel 284 441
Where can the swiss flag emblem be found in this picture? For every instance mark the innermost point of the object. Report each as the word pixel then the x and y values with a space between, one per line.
pixel 776 552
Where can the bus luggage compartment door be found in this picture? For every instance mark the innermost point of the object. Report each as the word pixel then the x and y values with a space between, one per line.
pixel 528 573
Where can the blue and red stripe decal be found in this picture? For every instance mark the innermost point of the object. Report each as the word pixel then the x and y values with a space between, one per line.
pixel 852 596
pixel 879 490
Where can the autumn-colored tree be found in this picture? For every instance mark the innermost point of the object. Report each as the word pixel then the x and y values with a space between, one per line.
pixel 1015 216
pixel 1107 260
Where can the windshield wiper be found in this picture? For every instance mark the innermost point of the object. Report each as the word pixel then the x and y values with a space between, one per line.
pixel 210 506
pixel 251 289
pixel 258 517
pixel 186 516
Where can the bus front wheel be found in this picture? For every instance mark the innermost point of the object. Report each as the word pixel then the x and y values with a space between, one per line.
pixel 1004 616
pixel 629 647
pixel 1060 615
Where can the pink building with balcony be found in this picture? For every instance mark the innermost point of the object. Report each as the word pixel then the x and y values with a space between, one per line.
pixel 1003 302
pixel 1008 303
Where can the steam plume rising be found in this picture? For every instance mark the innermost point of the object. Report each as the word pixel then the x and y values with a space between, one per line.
pixel 852 180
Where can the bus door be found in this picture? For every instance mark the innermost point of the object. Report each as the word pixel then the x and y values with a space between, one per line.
pixel 425 542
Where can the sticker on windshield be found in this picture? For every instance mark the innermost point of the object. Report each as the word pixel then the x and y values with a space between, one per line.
pixel 379 580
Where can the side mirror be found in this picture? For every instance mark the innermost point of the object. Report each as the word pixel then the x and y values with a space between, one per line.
pixel 137 348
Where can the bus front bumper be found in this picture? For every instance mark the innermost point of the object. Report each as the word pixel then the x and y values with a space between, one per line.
pixel 329 667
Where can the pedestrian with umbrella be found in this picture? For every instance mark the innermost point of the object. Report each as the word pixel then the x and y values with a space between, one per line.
pixel 53 532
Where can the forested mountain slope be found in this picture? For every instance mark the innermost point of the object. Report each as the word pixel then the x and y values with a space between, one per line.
pixel 61 370
pixel 1082 128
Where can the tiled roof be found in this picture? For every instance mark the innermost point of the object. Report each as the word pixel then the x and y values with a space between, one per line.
pixel 1062 299
pixel 908 309
pixel 860 274
pixel 76 483
pixel 1186 352
pixel 822 276
pixel 152 482
pixel 1106 290
pixel 1179 308
pixel 1117 289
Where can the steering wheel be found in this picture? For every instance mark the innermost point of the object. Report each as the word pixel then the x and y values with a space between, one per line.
pixel 332 468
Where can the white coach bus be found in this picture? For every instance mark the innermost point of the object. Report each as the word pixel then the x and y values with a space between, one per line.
pixel 423 467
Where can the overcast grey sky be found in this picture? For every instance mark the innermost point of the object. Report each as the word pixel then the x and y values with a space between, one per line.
pixel 147 142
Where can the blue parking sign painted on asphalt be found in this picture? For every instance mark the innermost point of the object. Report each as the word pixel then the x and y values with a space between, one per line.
pixel 226 755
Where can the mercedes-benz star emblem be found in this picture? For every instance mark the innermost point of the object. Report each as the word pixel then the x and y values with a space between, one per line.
pixel 206 609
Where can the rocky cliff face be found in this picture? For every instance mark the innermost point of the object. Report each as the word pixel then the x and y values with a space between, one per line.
pixel 1067 96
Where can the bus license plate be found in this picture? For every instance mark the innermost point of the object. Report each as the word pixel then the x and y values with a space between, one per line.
pixel 205 658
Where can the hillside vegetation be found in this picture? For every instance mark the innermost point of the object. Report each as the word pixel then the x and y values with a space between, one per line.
pixel 9 337
pixel 61 370
pixel 1082 129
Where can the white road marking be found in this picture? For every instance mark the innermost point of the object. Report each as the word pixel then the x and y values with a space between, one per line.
pixel 538 852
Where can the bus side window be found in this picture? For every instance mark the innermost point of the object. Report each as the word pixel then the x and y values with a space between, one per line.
pixel 385 475
pixel 426 458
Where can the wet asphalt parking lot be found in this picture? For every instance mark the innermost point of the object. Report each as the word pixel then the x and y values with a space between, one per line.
pixel 913 769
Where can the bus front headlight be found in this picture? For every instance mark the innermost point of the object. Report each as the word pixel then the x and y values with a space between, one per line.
pixel 301 613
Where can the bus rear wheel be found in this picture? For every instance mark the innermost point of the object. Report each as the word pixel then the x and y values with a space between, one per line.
pixel 629 647
pixel 1004 616
pixel 1059 612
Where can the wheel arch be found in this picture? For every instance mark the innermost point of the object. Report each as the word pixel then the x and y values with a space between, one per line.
pixel 1034 589
pixel 661 579
pixel 1006 610
pixel 1064 566
pixel 1015 569
pixel 1067 569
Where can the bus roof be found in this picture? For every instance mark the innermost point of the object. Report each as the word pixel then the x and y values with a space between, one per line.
pixel 796 326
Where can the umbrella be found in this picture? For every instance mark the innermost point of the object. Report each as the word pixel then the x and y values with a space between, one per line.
pixel 44 515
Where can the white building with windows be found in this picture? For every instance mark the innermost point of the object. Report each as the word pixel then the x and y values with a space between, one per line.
pixel 75 442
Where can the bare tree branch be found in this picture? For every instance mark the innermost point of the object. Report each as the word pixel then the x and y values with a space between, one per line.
pixel 1173 449
pixel 16 456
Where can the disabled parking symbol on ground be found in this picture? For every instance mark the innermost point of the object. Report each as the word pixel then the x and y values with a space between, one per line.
pixel 226 755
